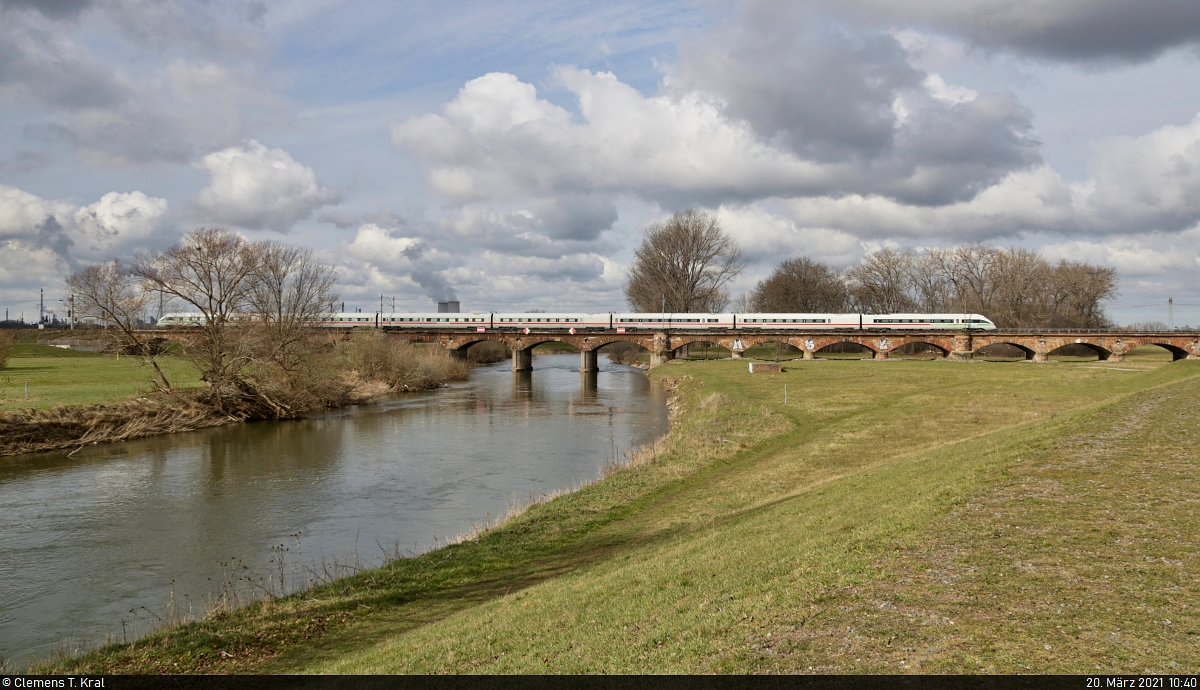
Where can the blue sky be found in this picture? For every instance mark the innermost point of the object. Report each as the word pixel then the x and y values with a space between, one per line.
pixel 510 154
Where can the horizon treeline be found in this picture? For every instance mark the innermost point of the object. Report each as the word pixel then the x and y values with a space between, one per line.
pixel 1013 287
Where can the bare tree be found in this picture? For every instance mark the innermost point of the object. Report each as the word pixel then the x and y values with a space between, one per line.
pixel 107 292
pixel 1014 287
pixel 932 288
pixel 1022 278
pixel 290 291
pixel 1080 290
pixel 972 270
pixel 800 285
pixel 882 281
pixel 214 271
pixel 683 265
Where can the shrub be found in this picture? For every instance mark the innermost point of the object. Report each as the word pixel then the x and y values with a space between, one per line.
pixel 487 352
pixel 402 366
pixel 624 353
pixel 6 342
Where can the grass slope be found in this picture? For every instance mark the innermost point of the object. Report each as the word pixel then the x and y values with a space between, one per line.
pixel 65 377
pixel 893 516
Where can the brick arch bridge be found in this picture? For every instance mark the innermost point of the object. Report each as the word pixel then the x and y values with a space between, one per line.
pixel 1037 345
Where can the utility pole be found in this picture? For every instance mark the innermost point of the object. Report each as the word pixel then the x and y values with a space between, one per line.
pixel 69 303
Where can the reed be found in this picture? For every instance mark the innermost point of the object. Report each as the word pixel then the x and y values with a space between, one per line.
pixel 76 426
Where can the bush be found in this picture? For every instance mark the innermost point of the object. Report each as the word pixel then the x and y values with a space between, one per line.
pixel 6 342
pixel 400 365
pixel 487 352
pixel 624 353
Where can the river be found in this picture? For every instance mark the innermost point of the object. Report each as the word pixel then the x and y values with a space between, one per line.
pixel 93 545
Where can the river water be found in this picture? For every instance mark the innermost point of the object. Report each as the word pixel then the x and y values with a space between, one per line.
pixel 84 539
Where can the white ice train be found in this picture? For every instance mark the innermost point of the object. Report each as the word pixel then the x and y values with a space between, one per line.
pixel 632 322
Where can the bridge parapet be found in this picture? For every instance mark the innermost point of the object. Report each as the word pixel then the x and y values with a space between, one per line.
pixel 1036 344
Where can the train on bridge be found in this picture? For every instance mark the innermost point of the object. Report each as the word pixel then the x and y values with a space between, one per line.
pixel 632 322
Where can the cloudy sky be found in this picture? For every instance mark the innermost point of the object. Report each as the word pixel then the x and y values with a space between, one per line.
pixel 511 153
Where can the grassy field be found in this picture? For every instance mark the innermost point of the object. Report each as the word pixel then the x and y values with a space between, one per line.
pixel 896 516
pixel 66 377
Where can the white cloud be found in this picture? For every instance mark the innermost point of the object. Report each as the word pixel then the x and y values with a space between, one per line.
pixel 21 212
pixel 255 187
pixel 1139 185
pixel 939 89
pixel 498 140
pixel 24 268
pixel 42 239
pixel 1149 182
pixel 118 221
pixel 766 237
pixel 96 94
pixel 1155 255
pixel 390 257
pixel 376 245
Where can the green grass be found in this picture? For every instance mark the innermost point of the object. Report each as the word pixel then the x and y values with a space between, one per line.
pixel 35 350
pixel 892 517
pixel 65 377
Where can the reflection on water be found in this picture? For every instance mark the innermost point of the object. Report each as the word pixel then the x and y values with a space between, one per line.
pixel 86 538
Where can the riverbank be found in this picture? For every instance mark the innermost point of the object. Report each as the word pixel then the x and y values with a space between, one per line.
pixel 890 517
pixel 52 398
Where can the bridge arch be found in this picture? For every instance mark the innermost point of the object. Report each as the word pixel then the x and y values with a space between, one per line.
pixel 1100 352
pixel 994 349
pixel 918 347
pixel 843 345
pixel 1177 353
pixel 783 344
pixel 701 345
pixel 636 343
